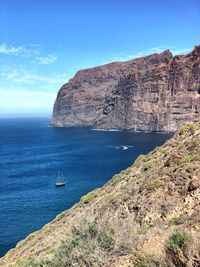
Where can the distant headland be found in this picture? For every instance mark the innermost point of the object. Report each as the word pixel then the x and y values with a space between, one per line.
pixel 158 92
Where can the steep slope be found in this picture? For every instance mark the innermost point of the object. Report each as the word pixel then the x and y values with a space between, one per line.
pixel 153 93
pixel 148 215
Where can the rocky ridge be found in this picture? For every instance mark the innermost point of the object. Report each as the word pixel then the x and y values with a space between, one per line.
pixel 147 215
pixel 158 92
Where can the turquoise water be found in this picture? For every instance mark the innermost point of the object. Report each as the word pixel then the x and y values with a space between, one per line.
pixel 31 153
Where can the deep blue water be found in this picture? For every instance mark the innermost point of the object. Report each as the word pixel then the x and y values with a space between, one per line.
pixel 31 153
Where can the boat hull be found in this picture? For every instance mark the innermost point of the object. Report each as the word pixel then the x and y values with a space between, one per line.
pixel 59 184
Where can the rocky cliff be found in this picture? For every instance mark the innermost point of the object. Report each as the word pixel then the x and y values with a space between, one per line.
pixel 146 216
pixel 153 93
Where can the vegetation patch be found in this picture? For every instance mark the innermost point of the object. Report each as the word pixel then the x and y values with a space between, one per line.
pixel 174 221
pixel 92 229
pixel 153 185
pixel 178 240
pixel 31 262
pixel 114 179
pixel 186 159
pixel 123 249
pixel 142 230
pixel 192 167
pixel 80 249
pixel 147 166
pixel 77 250
pixel 189 127
pixel 145 260
pixel 112 199
pixel 142 158
pixel 177 249
pixel 89 197
pixel 106 238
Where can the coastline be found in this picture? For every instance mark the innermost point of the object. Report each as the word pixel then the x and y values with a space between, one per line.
pixel 114 200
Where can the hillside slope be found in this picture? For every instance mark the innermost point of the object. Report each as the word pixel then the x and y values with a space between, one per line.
pixel 147 215
pixel 158 92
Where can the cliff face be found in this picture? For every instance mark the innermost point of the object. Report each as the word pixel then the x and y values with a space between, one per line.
pixel 148 215
pixel 154 93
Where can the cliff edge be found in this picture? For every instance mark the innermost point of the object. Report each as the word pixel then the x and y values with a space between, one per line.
pixel 147 215
pixel 158 92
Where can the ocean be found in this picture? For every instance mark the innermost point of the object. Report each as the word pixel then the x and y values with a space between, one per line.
pixel 31 154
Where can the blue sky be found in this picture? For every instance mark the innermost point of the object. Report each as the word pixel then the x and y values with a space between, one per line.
pixel 43 43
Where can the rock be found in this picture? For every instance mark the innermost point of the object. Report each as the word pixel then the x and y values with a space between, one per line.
pixel 173 160
pixel 193 184
pixel 165 208
pixel 133 208
pixel 182 219
pixel 153 93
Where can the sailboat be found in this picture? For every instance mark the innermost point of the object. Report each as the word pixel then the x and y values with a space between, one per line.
pixel 60 180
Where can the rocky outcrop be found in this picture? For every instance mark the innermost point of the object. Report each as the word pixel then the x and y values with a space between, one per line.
pixel 153 93
pixel 147 215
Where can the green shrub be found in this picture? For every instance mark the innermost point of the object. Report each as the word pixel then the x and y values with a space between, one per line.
pixel 106 239
pixel 79 232
pixel 68 254
pixel 186 159
pixel 92 229
pixel 147 166
pixel 153 185
pixel 114 179
pixel 193 128
pixel 173 221
pixel 112 199
pixel 31 262
pixel 123 249
pixel 145 260
pixel 189 127
pixel 178 240
pixel 89 197
pixel 141 158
